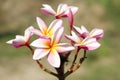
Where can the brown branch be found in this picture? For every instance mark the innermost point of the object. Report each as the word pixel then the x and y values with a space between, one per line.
pixel 40 65
pixel 77 66
pixel 75 57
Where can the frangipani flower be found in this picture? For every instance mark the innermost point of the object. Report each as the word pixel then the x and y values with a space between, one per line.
pixel 51 48
pixel 95 33
pixel 87 43
pixel 47 31
pixel 62 11
pixel 22 40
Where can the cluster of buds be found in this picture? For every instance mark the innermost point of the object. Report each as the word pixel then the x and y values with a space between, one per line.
pixel 49 38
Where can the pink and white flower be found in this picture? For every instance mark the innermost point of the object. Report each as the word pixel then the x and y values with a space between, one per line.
pixel 62 10
pixel 22 40
pixel 87 43
pixel 95 33
pixel 51 47
pixel 47 31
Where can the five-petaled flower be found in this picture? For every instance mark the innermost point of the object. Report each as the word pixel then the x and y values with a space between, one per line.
pixel 62 10
pixel 87 43
pixel 95 33
pixel 51 47
pixel 22 40
pixel 47 31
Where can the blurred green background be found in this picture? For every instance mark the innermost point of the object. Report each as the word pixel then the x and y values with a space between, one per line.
pixel 101 64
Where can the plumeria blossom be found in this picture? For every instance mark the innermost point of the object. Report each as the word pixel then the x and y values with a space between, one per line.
pixel 22 40
pixel 62 10
pixel 95 33
pixel 51 47
pixel 47 31
pixel 87 43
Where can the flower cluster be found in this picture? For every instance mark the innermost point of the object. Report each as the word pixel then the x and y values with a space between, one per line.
pixel 89 39
pixel 49 37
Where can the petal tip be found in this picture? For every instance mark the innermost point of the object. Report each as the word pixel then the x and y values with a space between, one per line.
pixel 9 42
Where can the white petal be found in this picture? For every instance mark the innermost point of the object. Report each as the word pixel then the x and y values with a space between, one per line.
pixel 47 9
pixel 18 41
pixel 54 58
pixel 28 32
pixel 96 33
pixel 88 40
pixel 70 38
pixel 77 44
pixel 40 53
pixel 62 8
pixel 76 38
pixel 41 24
pixel 84 30
pixel 37 32
pixel 64 47
pixel 78 30
pixel 19 37
pixel 54 26
pixel 73 9
pixel 10 41
pixel 41 43
pixel 91 44
pixel 58 35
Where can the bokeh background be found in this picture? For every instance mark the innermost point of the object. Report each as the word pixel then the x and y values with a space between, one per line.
pixel 101 64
